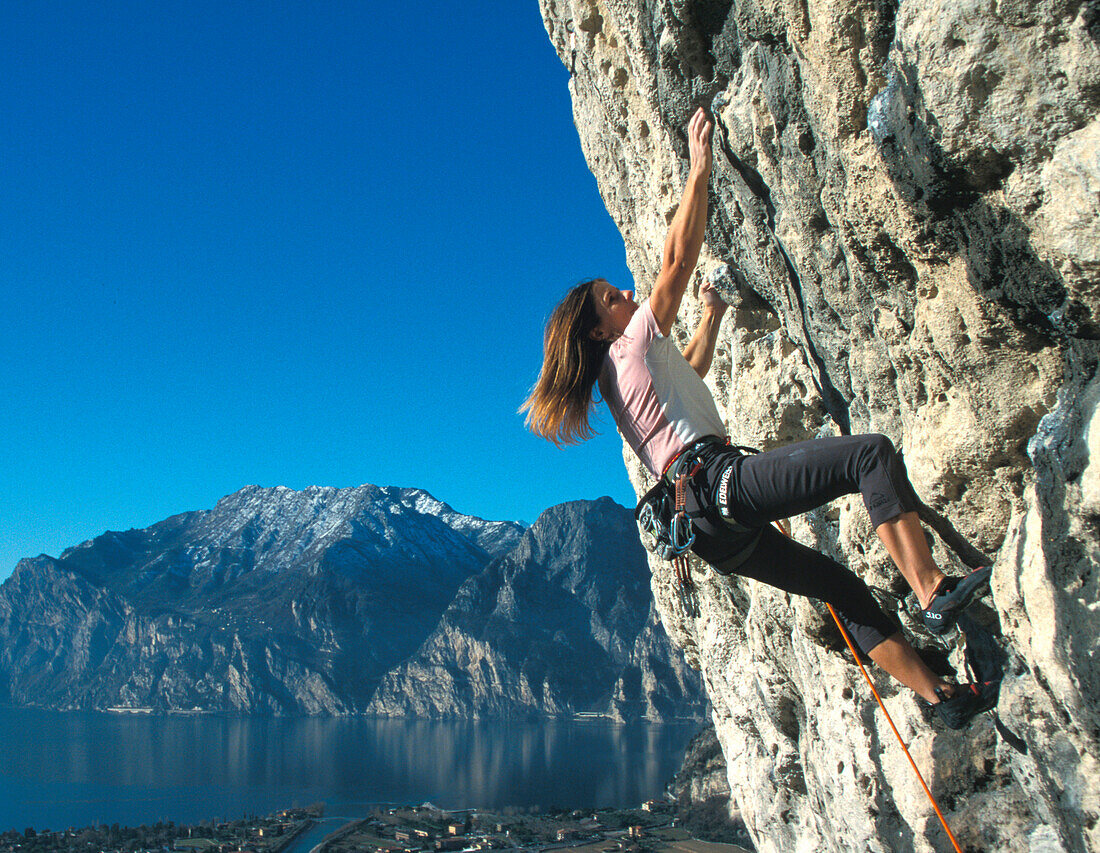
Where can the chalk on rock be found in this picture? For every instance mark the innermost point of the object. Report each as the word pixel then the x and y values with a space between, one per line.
pixel 730 282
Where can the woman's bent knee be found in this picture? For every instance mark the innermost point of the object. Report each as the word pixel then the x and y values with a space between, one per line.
pixel 880 446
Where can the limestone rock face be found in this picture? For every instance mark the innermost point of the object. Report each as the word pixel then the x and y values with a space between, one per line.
pixel 905 212
pixel 702 793
pixel 702 776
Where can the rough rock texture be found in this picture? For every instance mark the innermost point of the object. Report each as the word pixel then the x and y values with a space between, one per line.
pixel 279 601
pixel 702 793
pixel 562 624
pixel 905 213
pixel 702 776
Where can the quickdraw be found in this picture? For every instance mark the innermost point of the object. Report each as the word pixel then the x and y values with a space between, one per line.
pixel 666 526
pixel 683 537
pixel 662 515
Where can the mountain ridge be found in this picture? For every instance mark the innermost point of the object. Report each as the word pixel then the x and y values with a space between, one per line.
pixel 280 601
pixel 601 614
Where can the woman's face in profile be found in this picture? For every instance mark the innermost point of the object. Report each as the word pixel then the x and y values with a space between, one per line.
pixel 614 307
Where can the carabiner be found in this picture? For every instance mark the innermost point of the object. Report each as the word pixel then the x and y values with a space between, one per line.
pixel 683 535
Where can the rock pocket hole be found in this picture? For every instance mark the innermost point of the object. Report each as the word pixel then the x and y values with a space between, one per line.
pixel 788 719
pixel 593 23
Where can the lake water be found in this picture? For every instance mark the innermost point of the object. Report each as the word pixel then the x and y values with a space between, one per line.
pixel 76 769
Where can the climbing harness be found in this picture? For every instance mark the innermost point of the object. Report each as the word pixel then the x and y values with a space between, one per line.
pixel 666 525
pixel 663 519
pixel 889 719
pixel 662 512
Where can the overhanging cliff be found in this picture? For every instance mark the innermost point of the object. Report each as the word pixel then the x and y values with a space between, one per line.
pixel 905 215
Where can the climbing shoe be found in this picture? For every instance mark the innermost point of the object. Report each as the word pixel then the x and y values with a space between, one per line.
pixel 968 700
pixel 952 597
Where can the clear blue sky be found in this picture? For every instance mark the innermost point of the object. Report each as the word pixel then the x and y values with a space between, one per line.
pixel 284 244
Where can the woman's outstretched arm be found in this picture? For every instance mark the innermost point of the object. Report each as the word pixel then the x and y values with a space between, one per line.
pixel 700 349
pixel 685 234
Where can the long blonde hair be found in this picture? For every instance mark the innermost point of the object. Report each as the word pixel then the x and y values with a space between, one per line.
pixel 560 403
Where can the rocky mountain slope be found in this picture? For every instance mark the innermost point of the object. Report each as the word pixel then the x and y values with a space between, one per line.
pixel 905 215
pixel 513 639
pixel 702 793
pixel 279 601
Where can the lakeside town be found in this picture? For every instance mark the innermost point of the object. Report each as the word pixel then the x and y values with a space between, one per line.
pixel 655 827
pixel 271 834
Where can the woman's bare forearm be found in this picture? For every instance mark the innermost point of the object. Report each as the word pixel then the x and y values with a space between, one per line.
pixel 685 234
pixel 700 349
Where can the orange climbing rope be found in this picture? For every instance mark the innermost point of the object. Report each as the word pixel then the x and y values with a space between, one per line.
pixel 897 734
pixel 916 770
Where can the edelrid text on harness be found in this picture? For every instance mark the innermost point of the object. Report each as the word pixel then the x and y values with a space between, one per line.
pixel 662 514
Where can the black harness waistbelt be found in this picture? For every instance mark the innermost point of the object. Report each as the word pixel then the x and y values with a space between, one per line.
pixel 666 524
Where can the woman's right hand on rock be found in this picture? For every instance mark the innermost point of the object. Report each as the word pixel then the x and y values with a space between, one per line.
pixel 699 131
pixel 711 298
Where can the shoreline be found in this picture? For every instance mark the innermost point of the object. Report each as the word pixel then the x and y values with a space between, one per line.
pixel 654 826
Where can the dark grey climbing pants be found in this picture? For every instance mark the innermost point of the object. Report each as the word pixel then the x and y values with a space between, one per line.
pixel 757 489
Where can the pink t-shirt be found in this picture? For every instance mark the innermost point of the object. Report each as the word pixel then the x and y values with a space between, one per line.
pixel 659 402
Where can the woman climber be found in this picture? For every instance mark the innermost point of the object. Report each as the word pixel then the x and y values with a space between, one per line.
pixel 665 412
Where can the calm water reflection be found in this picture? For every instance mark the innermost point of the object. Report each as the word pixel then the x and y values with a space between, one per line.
pixel 60 770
